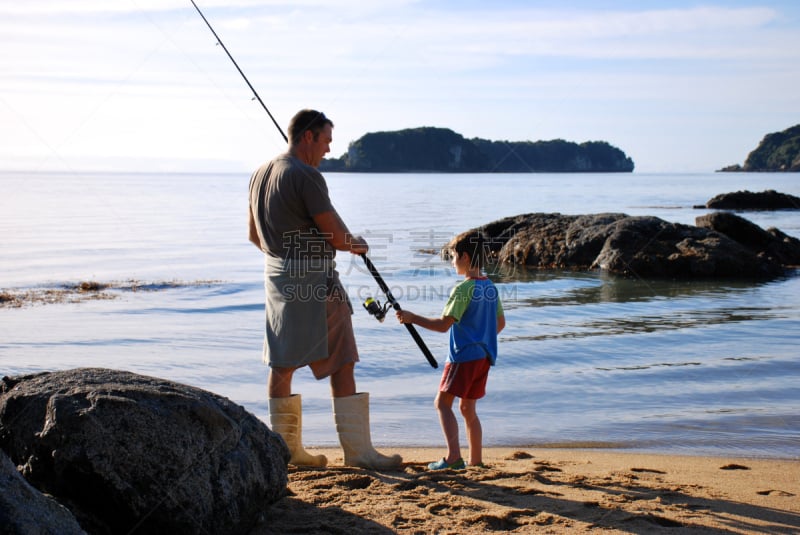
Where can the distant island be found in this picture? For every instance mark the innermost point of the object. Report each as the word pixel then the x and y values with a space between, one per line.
pixel 441 150
pixel 779 151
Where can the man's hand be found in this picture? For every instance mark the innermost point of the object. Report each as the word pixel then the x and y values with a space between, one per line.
pixel 358 245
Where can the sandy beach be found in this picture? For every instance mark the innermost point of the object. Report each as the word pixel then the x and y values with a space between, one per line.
pixel 543 491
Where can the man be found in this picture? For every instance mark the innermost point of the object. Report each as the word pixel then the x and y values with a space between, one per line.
pixel 308 323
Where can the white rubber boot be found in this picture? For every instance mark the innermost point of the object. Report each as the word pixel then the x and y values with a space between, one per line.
pixel 352 423
pixel 286 418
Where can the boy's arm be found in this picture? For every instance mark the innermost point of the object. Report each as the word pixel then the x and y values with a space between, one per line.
pixel 434 324
pixel 501 323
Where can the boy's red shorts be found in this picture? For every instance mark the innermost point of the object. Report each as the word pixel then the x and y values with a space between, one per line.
pixel 465 380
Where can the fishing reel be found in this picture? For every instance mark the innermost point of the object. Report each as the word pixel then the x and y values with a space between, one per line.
pixel 375 308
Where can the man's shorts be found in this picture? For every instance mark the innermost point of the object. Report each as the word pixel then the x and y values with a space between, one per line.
pixel 342 347
pixel 465 380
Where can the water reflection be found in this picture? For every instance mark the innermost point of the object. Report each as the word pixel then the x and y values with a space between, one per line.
pixel 559 305
pixel 589 287
pixel 612 326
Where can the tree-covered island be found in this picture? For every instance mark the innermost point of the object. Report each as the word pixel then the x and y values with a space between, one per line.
pixel 441 150
pixel 778 151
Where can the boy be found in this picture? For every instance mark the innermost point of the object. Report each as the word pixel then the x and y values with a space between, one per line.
pixel 473 315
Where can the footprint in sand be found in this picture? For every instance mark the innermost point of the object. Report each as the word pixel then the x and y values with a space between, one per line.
pixel 774 493
pixel 734 467
pixel 544 466
pixel 648 470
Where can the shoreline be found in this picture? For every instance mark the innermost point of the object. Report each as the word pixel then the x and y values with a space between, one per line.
pixel 578 445
pixel 553 490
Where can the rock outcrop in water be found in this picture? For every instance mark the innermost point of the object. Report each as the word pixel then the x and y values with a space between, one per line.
pixel 125 452
pixel 770 244
pixel 749 200
pixel 721 246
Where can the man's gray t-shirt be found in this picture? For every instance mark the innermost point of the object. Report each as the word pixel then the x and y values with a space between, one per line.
pixel 285 194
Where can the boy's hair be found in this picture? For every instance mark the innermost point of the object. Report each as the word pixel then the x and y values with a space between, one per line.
pixel 303 120
pixel 472 243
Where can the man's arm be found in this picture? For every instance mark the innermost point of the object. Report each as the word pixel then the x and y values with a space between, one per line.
pixel 253 232
pixel 337 234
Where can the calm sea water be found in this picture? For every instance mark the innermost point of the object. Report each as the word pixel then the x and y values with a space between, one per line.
pixel 586 360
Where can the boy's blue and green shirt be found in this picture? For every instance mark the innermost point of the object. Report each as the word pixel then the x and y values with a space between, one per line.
pixel 475 305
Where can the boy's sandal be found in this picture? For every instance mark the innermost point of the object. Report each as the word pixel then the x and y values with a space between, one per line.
pixel 442 464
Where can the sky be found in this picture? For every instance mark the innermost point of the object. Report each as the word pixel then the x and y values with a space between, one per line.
pixel 142 86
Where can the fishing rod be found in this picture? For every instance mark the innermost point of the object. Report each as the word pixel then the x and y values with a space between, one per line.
pixel 377 276
pixel 375 308
pixel 253 89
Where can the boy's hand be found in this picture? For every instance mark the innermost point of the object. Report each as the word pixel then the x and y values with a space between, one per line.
pixel 404 316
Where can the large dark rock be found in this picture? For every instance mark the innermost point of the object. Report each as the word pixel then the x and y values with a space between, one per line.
pixel 632 246
pixel 549 241
pixel 749 200
pixel 26 511
pixel 770 243
pixel 133 454
pixel 651 247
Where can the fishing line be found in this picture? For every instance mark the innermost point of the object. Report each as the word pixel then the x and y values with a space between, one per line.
pixel 373 271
